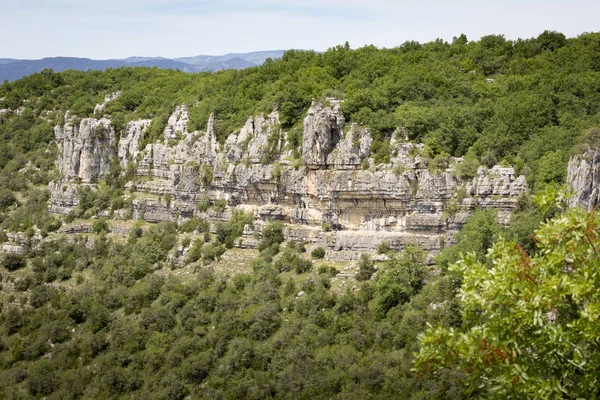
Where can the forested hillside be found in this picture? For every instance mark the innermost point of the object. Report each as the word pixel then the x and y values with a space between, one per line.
pixel 103 315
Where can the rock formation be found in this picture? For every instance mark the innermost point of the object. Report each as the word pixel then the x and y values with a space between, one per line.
pixel 583 178
pixel 177 123
pixel 109 97
pixel 323 129
pixel 325 198
pixel 85 147
pixel 130 142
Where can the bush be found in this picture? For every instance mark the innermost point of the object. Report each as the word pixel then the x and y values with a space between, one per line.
pixel 467 169
pixel 383 247
pixel 13 262
pixel 7 199
pixel 301 265
pixel 192 224
pixel 220 205
pixel 100 226
pixel 203 205
pixel 318 253
pixel 365 268
pixel 272 233
pixel 212 252
pixel 43 378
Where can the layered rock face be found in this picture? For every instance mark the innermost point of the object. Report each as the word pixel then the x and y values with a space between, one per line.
pixel 325 198
pixel 323 129
pixel 85 148
pixel 583 179
pixel 129 145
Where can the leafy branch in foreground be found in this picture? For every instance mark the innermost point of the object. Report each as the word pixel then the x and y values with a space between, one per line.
pixel 530 323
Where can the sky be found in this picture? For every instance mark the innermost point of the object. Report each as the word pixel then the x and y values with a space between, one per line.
pixel 104 29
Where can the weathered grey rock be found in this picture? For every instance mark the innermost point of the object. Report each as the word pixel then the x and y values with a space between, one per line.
pixel 13 249
pixel 352 149
pixel 323 129
pixel 109 97
pixel 85 147
pixel 64 196
pixel 499 181
pixel 177 123
pixel 331 202
pixel 76 227
pixel 130 141
pixel 583 179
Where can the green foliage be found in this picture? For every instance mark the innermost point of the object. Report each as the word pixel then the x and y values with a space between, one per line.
pixel 139 331
pixel 525 220
pixel 203 205
pixel 531 322
pixel 477 235
pixel 272 236
pixel 366 268
pixel 318 253
pixel 206 175
pixel 13 262
pixel 400 280
pixel 467 169
pixel 227 232
pixel 193 224
pixel 219 205
pixel 100 226
pixel 383 247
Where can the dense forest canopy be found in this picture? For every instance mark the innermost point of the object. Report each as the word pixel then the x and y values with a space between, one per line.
pixel 92 316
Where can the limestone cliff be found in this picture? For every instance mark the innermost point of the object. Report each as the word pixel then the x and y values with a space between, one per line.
pixel 323 129
pixel 326 198
pixel 583 178
pixel 85 147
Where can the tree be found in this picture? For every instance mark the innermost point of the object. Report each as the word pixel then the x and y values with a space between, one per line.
pixel 477 235
pixel 401 280
pixel 551 40
pixel 365 267
pixel 530 322
pixel 13 262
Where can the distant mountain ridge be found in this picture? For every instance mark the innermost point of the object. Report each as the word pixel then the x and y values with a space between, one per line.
pixel 13 69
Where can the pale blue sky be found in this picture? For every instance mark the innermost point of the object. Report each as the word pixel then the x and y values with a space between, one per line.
pixel 121 28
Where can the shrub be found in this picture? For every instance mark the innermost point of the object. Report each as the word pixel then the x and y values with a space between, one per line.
pixel 272 233
pixel 100 226
pixel 7 199
pixel 206 177
pixel 13 262
pixel 43 378
pixel 203 205
pixel 220 205
pixel 467 169
pixel 192 224
pixel 383 247
pixel 301 265
pixel 318 253
pixel 365 267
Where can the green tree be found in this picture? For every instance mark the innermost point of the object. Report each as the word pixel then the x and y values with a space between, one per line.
pixel 400 280
pixel 530 323
pixel 477 235
pixel 365 267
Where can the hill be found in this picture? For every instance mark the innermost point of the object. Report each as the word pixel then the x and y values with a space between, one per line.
pixel 13 69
